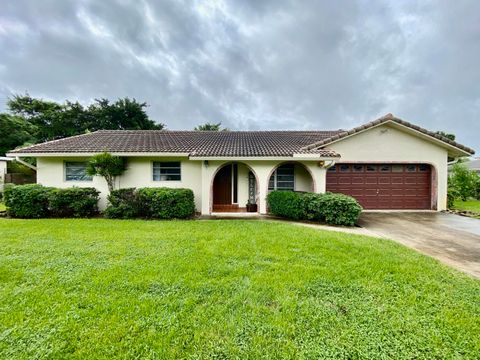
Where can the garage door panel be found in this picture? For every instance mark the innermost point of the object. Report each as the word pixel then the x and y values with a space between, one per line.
pixel 377 189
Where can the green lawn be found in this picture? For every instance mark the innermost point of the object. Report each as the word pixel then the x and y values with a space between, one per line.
pixel 469 205
pixel 225 289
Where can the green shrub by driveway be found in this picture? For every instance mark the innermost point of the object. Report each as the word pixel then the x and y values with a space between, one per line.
pixel 107 289
pixel 335 209
pixel 27 201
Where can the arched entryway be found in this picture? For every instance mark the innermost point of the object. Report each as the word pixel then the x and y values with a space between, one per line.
pixel 234 189
pixel 293 176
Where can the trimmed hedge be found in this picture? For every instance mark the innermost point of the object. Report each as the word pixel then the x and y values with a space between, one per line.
pixel 152 203
pixel 36 201
pixel 27 201
pixel 336 209
pixel 73 202
pixel 123 204
pixel 166 203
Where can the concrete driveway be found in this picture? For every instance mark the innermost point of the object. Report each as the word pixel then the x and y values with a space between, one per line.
pixel 452 239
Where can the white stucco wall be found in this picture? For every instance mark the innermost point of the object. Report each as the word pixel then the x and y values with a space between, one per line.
pixel 3 171
pixel 388 143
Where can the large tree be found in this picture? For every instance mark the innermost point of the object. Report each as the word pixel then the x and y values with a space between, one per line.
pixel 14 132
pixel 53 121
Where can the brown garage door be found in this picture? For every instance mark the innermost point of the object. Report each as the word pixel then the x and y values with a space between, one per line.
pixel 383 186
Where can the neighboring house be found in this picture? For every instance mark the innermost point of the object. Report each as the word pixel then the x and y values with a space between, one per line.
pixel 386 164
pixel 3 170
pixel 474 165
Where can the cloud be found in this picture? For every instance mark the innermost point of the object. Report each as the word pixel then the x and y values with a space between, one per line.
pixel 253 64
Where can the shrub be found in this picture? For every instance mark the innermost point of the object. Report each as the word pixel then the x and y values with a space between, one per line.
pixel 123 204
pixel 73 202
pixel 166 203
pixel 336 209
pixel 27 201
pixel 286 204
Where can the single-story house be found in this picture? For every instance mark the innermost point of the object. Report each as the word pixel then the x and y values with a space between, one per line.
pixel 386 164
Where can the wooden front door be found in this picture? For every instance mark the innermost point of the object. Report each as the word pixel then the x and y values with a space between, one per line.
pixel 222 186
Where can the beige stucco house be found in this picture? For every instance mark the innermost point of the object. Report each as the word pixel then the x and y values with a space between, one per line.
pixel 386 164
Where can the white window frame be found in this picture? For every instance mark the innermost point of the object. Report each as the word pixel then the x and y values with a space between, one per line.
pixel 275 181
pixel 166 167
pixel 65 175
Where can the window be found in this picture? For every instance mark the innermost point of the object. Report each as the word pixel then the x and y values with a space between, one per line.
pixel 423 167
pixel 344 168
pixel 166 171
pixel 332 168
pixel 385 168
pixel 410 168
pixel 283 178
pixel 397 168
pixel 371 168
pixel 358 168
pixel 76 171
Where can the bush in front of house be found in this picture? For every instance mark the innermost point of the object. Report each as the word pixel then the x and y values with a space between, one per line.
pixel 73 202
pixel 286 204
pixel 166 203
pixel 335 209
pixel 35 201
pixel 27 201
pixel 123 204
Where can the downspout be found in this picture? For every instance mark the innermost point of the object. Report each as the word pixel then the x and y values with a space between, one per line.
pixel 25 163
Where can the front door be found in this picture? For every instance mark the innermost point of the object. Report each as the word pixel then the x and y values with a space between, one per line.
pixel 222 186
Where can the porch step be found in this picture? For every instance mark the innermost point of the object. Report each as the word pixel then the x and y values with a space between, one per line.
pixel 228 208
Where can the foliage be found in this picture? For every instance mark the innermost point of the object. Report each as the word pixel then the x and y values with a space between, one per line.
pixel 46 120
pixel 107 289
pixel 210 127
pixel 166 203
pixel 108 166
pixel 15 131
pixel 37 201
pixel 463 183
pixel 287 204
pixel 123 204
pixel 27 201
pixel 73 202
pixel 447 135
pixel 336 209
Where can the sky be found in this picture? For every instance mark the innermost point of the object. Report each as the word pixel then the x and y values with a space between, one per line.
pixel 253 64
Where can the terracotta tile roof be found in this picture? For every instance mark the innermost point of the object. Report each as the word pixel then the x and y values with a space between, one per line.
pixel 195 143
pixel 389 117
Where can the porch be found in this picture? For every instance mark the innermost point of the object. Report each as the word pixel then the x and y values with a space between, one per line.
pixel 241 187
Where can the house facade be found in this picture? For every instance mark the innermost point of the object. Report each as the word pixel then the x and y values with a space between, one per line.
pixel 386 164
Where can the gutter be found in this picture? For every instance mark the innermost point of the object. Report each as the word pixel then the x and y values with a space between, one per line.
pixel 25 163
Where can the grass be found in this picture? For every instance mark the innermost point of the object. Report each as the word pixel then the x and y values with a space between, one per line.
pixel 105 289
pixel 469 205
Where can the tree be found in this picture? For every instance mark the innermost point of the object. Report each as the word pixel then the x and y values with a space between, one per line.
pixel 108 166
pixel 123 114
pixel 447 135
pixel 463 183
pixel 15 131
pixel 209 127
pixel 54 121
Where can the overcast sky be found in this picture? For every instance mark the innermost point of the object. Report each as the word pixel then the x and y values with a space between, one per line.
pixel 253 64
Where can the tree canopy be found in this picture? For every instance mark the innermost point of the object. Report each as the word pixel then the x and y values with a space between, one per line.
pixel 210 127
pixel 32 120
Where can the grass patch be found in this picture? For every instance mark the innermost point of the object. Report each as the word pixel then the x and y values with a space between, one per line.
pixel 225 289
pixel 469 205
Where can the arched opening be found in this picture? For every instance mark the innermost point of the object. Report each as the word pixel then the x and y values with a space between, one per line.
pixel 293 176
pixel 234 189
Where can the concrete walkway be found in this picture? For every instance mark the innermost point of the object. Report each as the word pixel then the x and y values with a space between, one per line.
pixel 450 238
